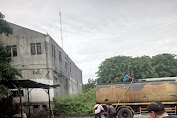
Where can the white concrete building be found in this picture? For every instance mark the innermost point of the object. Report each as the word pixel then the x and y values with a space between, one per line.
pixel 39 58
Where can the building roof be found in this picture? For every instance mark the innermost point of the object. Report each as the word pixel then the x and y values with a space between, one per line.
pixel 13 24
pixel 15 84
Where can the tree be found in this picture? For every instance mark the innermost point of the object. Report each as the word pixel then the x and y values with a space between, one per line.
pixel 141 67
pixel 7 72
pixel 165 65
pixel 4 27
pixel 113 69
pixel 91 84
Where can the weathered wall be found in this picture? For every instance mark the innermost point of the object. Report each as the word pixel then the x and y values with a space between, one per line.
pixel 69 76
pixel 43 67
pixel 35 67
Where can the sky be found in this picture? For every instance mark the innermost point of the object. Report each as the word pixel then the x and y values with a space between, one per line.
pixel 94 30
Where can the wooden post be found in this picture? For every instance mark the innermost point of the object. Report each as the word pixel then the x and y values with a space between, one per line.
pixel 19 91
pixel 29 112
pixel 49 104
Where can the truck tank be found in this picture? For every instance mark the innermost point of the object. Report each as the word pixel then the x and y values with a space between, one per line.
pixel 164 91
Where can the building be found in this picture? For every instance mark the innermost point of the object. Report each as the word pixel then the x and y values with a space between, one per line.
pixel 39 58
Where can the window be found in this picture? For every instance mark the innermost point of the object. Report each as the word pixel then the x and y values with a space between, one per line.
pixel 35 47
pixel 12 50
pixel 33 51
pixel 36 106
pixel 66 83
pixel 70 67
pixel 60 57
pixel 15 93
pixel 65 65
pixel 44 106
pixel 8 50
pixel 38 48
pixel 53 51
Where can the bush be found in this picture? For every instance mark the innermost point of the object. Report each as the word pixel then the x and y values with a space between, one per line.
pixel 81 104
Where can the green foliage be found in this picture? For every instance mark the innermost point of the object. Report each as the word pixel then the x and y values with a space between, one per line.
pixel 4 90
pixel 81 104
pixel 165 65
pixel 141 67
pixel 4 27
pixel 3 54
pixel 91 84
pixel 7 72
pixel 113 70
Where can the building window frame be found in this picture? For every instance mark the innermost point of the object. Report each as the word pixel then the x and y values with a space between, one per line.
pixel 8 48
pixel 36 106
pixel 38 46
pixel 12 51
pixel 70 68
pixel 15 93
pixel 60 56
pixel 35 48
pixel 53 51
pixel 66 65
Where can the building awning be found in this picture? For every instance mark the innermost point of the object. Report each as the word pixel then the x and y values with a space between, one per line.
pixel 14 84
pixel 26 84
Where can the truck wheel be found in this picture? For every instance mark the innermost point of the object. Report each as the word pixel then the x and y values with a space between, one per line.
pixel 125 113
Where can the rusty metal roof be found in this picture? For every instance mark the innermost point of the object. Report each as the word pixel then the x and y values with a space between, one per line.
pixel 14 84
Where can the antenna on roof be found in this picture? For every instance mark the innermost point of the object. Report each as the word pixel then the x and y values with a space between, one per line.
pixel 61 31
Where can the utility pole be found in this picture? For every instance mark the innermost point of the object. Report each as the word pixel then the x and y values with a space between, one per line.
pixel 61 31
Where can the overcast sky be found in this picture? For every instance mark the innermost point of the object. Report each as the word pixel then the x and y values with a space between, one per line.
pixel 94 30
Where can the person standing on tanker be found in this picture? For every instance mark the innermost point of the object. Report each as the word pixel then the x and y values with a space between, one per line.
pixel 157 110
pixel 127 77
pixel 97 110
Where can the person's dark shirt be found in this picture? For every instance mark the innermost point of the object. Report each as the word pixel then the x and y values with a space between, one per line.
pixel 105 108
pixel 111 110
pixel 170 117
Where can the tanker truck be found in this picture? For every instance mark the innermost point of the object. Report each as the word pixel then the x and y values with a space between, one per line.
pixel 132 98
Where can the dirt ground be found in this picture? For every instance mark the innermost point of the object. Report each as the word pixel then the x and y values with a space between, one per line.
pixel 45 114
pixel 141 116
pixel 135 116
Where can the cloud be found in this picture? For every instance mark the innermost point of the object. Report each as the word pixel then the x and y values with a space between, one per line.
pixel 96 30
